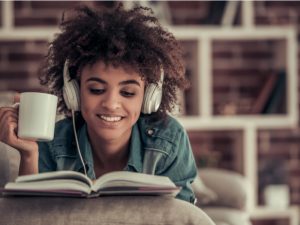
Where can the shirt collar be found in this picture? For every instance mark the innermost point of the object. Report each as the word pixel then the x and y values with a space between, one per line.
pixel 135 150
pixel 135 147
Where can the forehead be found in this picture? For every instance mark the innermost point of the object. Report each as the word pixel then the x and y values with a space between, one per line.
pixel 100 69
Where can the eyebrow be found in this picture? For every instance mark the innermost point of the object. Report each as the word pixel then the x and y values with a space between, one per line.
pixel 125 82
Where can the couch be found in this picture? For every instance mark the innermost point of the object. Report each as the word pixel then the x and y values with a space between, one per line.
pixel 223 195
pixel 112 210
pixel 224 204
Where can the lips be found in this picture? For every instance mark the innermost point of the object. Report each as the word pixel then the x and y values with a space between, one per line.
pixel 110 118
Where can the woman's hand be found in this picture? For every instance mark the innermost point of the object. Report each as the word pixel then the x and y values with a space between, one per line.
pixel 8 134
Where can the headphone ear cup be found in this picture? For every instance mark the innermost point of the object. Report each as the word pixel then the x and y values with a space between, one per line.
pixel 152 98
pixel 71 95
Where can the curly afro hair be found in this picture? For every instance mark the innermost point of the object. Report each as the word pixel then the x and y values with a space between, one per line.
pixel 117 37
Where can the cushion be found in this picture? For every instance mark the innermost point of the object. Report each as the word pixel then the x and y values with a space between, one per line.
pixel 228 216
pixel 203 194
pixel 9 163
pixel 112 210
pixel 231 188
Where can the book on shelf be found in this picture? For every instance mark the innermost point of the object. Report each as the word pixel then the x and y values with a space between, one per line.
pixel 276 104
pixel 230 12
pixel 272 95
pixel 75 184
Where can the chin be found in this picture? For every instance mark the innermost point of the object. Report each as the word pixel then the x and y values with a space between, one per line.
pixel 108 135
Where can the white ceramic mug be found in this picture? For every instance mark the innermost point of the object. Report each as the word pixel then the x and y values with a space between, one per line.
pixel 37 112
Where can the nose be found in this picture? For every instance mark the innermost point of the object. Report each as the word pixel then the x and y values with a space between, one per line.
pixel 111 101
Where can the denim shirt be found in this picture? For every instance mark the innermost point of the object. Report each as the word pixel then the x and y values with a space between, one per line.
pixel 160 148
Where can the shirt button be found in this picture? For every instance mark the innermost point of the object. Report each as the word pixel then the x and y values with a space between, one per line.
pixel 150 132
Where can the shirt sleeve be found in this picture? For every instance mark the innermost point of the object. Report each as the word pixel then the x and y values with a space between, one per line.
pixel 181 168
pixel 46 161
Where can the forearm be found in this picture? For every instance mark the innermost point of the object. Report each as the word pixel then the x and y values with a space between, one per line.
pixel 29 164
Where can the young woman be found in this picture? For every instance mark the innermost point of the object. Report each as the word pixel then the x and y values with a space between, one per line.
pixel 128 70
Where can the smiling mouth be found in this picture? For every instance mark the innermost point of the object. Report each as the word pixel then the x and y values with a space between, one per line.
pixel 111 119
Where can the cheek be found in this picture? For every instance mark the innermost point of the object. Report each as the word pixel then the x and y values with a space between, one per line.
pixel 86 103
pixel 137 107
pixel 83 100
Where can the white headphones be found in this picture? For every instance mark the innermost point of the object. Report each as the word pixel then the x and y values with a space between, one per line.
pixel 151 101
pixel 70 90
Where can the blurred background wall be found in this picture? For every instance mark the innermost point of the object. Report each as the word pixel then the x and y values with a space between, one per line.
pixel 249 77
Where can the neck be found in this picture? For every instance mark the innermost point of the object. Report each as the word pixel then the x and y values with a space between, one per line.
pixel 109 155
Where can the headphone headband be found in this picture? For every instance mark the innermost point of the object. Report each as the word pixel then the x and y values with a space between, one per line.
pixel 66 73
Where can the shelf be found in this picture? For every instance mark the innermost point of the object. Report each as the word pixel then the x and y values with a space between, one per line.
pixel 269 213
pixel 28 33
pixel 236 122
pixel 232 33
pixel 218 149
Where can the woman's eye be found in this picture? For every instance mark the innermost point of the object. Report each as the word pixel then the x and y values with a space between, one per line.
pixel 127 93
pixel 96 91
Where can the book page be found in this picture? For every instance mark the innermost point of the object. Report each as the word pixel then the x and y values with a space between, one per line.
pixel 55 175
pixel 53 185
pixel 131 179
pixel 68 183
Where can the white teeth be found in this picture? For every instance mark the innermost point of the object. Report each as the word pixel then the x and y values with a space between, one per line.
pixel 111 118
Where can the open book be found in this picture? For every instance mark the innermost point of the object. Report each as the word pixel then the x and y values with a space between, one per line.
pixel 71 183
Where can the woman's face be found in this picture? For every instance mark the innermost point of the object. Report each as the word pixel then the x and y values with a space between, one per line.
pixel 111 100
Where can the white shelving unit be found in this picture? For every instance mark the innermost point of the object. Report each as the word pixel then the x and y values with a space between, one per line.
pixel 204 36
pixel 249 124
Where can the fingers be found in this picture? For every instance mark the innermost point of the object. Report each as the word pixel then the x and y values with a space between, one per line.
pixel 16 100
pixel 8 124
pixel 8 131
pixel 11 136
pixel 6 112
pixel 17 97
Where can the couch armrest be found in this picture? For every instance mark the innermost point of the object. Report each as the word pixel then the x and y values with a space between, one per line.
pixel 230 216
pixel 232 189
pixel 9 163
pixel 112 210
